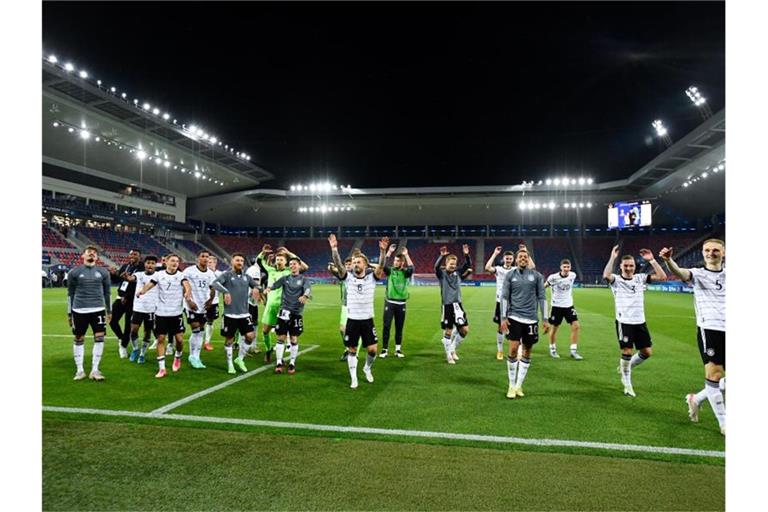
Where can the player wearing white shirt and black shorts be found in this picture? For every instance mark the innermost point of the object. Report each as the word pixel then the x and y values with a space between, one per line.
pixel 144 309
pixel 500 271
pixel 709 302
pixel 172 290
pixel 212 313
pixel 629 294
pixel 562 308
pixel 361 287
pixel 200 279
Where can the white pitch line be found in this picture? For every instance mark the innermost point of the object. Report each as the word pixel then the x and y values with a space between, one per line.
pixel 213 389
pixel 396 432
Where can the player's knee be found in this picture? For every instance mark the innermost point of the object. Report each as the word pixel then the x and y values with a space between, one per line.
pixel 79 341
pixel 98 339
pixel 464 330
pixel 575 327
pixel 647 352
pixel 196 330
pixel 713 372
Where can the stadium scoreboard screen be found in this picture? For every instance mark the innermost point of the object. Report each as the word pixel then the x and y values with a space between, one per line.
pixel 623 215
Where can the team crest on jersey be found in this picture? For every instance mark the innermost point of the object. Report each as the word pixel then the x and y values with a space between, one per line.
pixel 530 278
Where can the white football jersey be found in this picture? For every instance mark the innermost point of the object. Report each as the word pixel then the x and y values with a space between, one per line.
pixel 500 273
pixel 629 295
pixel 360 292
pixel 709 298
pixel 216 273
pixel 170 292
pixel 201 282
pixel 147 303
pixel 562 289
pixel 254 271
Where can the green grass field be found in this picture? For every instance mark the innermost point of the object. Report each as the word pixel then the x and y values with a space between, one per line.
pixel 115 462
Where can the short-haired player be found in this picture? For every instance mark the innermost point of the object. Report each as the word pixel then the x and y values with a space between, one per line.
pixel 144 308
pixel 453 314
pixel 709 303
pixel 628 290
pixel 562 308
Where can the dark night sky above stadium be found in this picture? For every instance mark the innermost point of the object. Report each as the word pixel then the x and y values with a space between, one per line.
pixel 405 94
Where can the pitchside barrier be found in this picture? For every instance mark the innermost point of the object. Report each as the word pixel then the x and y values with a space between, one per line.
pixel 431 280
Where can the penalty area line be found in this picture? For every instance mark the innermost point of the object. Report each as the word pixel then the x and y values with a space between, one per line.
pixel 395 432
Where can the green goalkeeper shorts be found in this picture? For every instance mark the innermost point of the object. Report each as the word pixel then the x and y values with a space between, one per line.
pixel 271 309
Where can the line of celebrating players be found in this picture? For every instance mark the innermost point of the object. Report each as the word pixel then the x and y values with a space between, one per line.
pixel 155 297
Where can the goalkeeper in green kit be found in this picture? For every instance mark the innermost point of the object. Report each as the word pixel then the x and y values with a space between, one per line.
pixel 274 272
pixel 397 293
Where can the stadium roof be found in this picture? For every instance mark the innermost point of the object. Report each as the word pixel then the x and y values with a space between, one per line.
pixel 118 129
pixel 662 180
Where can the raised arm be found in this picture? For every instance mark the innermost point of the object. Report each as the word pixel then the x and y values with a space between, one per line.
pixel 383 246
pixel 466 269
pixel 684 274
pixel 261 259
pixel 489 264
pixel 659 274
pixel 608 270
pixel 336 257
pixel 439 262
pixel 407 257
pixel 303 267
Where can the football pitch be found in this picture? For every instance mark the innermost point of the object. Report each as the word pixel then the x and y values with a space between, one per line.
pixel 424 435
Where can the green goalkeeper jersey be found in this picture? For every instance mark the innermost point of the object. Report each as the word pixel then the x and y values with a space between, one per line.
pixel 273 275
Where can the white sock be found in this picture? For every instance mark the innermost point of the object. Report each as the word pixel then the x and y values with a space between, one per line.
pixel 78 351
pixel 512 370
pixel 279 351
pixel 369 359
pixel 294 352
pixel 397 348
pixel 208 331
pixel 144 345
pixel 626 371
pixel 573 347
pixel 499 342
pixel 701 396
pixel 637 359
pixel 98 349
pixel 161 362
pixel 447 344
pixel 228 350
pixel 195 344
pixel 716 401
pixel 457 341
pixel 243 350
pixel 135 342
pixel 177 354
pixel 552 348
pixel 522 371
pixel 352 364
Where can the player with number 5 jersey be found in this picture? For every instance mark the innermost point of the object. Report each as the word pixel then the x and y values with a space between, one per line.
pixel 709 303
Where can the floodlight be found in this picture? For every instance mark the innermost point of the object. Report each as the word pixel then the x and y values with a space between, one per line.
pixel 166 116
pixel 70 129
pixel 551 205
pixel 557 181
pixel 68 67
pixel 582 181
pixel 141 155
pixel 658 125
pixel 589 205
pixel 146 106
pixel 721 167
pixel 704 174
pixel 85 134
pixel 167 164
pixel 589 181
pixel 98 82
pixel 123 95
pixel 197 174
pixel 549 181
pixel 83 74
pixel 156 111
pixel 52 59
pixel 581 205
pixel 55 124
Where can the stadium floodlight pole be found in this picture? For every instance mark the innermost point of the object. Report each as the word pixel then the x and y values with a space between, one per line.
pixel 699 101
pixel 662 132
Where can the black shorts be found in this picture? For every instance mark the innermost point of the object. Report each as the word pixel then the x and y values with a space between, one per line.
pixel 557 314
pixel 528 334
pixel 230 326
pixel 636 335
pixel 254 311
pixel 196 318
pixel 356 329
pixel 169 325
pixel 97 321
pixel 711 346
pixel 212 313
pixel 289 323
pixel 497 313
pixel 449 318
pixel 138 318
